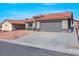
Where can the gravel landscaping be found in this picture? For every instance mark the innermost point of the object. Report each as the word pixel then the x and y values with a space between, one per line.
pixel 14 34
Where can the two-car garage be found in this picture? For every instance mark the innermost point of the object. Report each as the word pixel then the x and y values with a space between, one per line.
pixel 50 26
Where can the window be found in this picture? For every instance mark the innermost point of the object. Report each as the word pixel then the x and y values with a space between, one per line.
pixel 30 24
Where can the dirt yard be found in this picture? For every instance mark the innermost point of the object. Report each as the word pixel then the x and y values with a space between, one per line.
pixel 14 34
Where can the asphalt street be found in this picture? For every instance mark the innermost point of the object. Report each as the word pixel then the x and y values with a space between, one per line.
pixel 9 49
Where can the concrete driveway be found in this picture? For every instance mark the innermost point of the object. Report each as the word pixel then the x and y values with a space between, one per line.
pixel 44 39
pixel 55 41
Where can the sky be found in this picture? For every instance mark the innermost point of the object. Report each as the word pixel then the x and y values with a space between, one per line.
pixel 20 11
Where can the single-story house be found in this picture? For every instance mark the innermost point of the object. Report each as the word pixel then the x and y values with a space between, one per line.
pixel 9 25
pixel 49 22
pixel 54 22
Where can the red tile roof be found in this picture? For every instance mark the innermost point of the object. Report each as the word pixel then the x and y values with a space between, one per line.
pixel 18 21
pixel 64 15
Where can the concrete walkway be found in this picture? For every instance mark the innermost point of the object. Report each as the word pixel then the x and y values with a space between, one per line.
pixel 55 41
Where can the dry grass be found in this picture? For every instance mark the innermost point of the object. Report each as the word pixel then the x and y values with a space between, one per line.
pixel 74 46
pixel 14 34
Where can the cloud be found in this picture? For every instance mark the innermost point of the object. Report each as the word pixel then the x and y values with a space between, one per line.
pixel 58 11
pixel 24 14
pixel 50 11
pixel 49 3
pixel 11 3
pixel 19 15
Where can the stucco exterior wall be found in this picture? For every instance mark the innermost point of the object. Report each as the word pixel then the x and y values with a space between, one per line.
pixel 26 26
pixel 34 25
pixel 64 24
pixel 6 26
pixel 37 25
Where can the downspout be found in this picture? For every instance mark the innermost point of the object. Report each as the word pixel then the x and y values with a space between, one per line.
pixel 72 22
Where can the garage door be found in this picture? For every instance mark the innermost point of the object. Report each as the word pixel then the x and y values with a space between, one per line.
pixel 51 26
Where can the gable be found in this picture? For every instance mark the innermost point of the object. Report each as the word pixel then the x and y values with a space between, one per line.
pixel 7 24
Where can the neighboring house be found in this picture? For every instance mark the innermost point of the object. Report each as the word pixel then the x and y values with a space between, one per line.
pixel 9 25
pixel 76 23
pixel 54 22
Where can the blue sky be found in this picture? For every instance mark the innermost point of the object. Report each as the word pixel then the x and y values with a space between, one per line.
pixel 19 11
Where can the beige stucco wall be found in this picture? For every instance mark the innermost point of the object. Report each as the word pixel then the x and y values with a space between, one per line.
pixel 65 24
pixel 34 25
pixel 26 25
pixel 6 26
pixel 38 25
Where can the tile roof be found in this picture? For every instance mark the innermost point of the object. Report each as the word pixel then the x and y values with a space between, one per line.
pixel 18 21
pixel 64 15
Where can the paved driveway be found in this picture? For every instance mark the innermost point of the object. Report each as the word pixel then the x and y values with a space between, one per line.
pixel 44 39
pixel 55 41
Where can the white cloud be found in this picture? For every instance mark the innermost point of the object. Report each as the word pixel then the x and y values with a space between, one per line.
pixel 58 11
pixel 49 3
pixel 19 15
pixel 24 14
pixel 50 11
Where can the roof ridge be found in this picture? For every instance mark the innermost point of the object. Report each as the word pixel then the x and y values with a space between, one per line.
pixel 55 13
